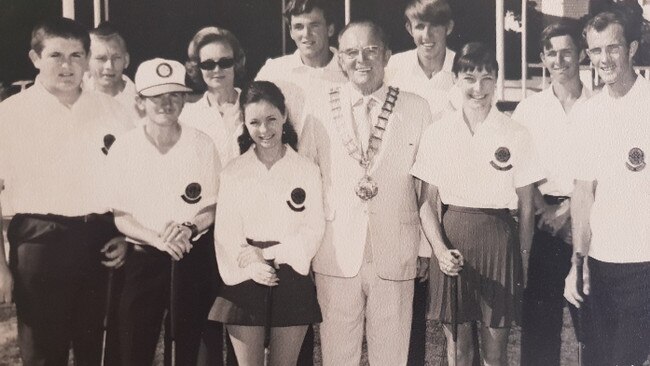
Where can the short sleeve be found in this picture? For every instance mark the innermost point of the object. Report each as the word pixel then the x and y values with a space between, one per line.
pixel 528 168
pixel 580 161
pixel 211 173
pixel 427 162
pixel 265 72
pixel 115 190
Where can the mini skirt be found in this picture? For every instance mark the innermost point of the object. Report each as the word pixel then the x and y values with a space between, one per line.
pixel 293 302
pixel 489 285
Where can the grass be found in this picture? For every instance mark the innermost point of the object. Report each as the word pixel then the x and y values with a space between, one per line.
pixel 435 351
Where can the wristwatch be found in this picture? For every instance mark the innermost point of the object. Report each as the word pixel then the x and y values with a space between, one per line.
pixel 192 226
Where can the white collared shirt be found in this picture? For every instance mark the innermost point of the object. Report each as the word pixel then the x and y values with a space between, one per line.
pixel 359 104
pixel 607 130
pixel 156 188
pixel 53 157
pixel 224 129
pixel 404 71
pixel 300 83
pixel 283 204
pixel 548 123
pixel 481 170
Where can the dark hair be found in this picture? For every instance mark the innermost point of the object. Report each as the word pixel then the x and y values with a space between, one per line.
pixel 374 28
pixel 209 35
pixel 436 12
pixel 297 7
pixel 558 30
pixel 626 19
pixel 265 91
pixel 106 32
pixel 475 56
pixel 62 28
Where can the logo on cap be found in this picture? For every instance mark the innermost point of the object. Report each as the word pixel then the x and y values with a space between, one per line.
pixel 108 142
pixel 164 70
pixel 635 159
pixel 502 155
pixel 297 202
pixel 192 193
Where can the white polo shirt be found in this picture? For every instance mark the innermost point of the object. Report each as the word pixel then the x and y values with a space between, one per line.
pixel 549 126
pixel 126 97
pixel 300 82
pixel 283 204
pixel 611 146
pixel 481 170
pixel 53 158
pixel 156 188
pixel 224 129
pixel 404 71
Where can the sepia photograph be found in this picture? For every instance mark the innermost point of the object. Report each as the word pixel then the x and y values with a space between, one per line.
pixel 324 182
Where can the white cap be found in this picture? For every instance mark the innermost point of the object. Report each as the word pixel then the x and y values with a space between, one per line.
pixel 160 76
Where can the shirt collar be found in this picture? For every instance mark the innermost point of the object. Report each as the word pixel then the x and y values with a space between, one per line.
pixel 296 62
pixel 46 96
pixel 205 101
pixel 446 65
pixel 378 95
pixel 493 119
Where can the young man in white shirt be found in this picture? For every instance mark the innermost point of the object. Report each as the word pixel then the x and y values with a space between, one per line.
pixel 610 205
pixel 426 70
pixel 547 115
pixel 54 138
pixel 312 68
pixel 109 58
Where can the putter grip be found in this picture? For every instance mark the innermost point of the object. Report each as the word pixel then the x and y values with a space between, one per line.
pixel 580 259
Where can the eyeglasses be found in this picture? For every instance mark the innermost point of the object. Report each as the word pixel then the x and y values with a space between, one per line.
pixel 367 52
pixel 223 63
pixel 610 49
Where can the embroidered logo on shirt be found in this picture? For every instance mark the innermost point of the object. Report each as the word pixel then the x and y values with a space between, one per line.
pixel 297 202
pixel 192 193
pixel 635 160
pixel 502 155
pixel 108 142
pixel 164 70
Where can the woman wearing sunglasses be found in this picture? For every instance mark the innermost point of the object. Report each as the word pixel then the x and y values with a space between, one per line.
pixel 216 62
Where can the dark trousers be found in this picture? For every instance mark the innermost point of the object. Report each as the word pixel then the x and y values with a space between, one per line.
pixel 60 286
pixel 146 296
pixel 618 331
pixel 543 301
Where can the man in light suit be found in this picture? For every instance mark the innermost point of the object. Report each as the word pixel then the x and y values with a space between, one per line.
pixel 364 136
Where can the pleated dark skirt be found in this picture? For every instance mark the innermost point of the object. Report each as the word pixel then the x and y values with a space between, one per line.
pixel 489 288
pixel 293 302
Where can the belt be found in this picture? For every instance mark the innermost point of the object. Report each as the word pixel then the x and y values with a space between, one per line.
pixel 555 200
pixel 488 211
pixel 84 219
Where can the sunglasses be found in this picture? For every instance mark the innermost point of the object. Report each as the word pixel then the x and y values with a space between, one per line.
pixel 223 63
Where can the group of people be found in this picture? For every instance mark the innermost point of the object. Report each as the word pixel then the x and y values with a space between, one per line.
pixel 344 186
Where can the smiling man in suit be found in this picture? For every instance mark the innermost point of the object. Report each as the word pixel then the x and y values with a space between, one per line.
pixel 364 136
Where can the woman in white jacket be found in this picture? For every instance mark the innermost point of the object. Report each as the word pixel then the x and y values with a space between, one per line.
pixel 269 225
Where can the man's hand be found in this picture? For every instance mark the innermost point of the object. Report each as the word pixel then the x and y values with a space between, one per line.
pixel 571 292
pixel 176 249
pixel 423 269
pixel 6 285
pixel 174 231
pixel 115 252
